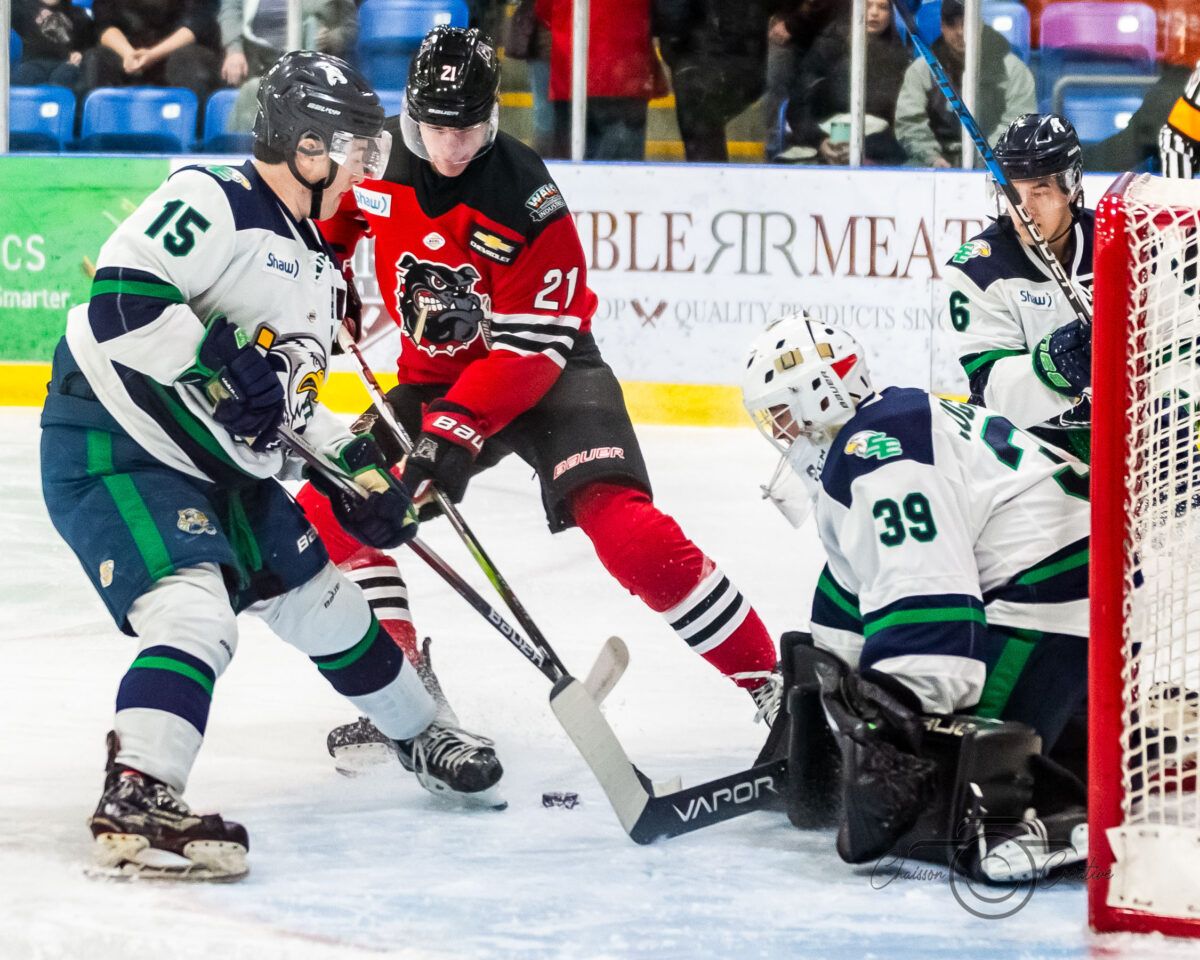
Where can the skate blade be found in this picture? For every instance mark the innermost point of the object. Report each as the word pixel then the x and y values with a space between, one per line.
pixel 488 799
pixel 356 759
pixel 123 856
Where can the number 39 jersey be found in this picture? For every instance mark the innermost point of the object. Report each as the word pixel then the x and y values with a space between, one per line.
pixel 209 241
pixel 939 519
pixel 485 263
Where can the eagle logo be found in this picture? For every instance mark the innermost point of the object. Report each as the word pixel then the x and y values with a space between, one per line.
pixel 438 306
pixel 301 362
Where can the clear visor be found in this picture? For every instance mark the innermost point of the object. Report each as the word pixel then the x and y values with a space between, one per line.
pixel 453 146
pixel 779 425
pixel 1070 182
pixel 367 156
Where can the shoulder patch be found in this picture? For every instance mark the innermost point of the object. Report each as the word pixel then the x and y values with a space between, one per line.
pixel 375 202
pixel 490 244
pixel 228 174
pixel 544 202
pixel 970 250
pixel 873 443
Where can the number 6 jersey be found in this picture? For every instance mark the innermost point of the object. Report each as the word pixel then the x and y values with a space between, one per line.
pixel 486 266
pixel 940 519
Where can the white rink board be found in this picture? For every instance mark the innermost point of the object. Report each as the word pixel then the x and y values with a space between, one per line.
pixel 690 261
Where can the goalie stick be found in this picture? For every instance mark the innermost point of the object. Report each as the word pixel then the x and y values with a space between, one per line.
pixel 993 165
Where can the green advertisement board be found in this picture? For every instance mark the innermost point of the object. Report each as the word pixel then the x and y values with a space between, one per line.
pixel 55 214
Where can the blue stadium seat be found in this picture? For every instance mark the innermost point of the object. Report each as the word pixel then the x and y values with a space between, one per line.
pixel 138 120
pixel 389 32
pixel 217 138
pixel 391 100
pixel 40 118
pixel 1099 112
pixel 1010 19
pixel 15 46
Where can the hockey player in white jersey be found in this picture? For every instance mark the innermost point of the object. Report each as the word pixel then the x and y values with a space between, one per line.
pixel 209 325
pixel 1179 139
pixel 1024 351
pixel 954 597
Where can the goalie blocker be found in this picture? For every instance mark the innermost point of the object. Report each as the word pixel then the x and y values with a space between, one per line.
pixel 970 793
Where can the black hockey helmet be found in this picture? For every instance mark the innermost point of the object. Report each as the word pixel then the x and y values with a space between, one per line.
pixel 309 95
pixel 1042 145
pixel 453 81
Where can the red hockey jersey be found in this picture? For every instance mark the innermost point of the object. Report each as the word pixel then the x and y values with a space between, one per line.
pixel 484 273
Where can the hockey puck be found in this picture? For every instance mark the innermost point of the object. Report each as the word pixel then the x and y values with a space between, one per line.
pixel 556 799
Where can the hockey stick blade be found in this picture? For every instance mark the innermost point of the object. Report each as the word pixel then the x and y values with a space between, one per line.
pixel 607 669
pixel 645 814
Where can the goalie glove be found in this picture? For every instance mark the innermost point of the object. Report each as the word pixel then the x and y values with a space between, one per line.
pixel 886 783
pixel 384 518
pixel 1062 359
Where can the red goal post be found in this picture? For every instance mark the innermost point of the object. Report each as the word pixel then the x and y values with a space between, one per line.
pixel 1144 670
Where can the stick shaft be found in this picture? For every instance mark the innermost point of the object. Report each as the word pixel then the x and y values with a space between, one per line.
pixel 993 165
pixel 451 512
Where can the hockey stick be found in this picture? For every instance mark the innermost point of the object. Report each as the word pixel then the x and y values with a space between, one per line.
pixel 609 666
pixel 647 811
pixel 1081 311
pixel 451 512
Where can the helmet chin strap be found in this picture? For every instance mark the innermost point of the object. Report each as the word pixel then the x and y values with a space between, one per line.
pixel 316 188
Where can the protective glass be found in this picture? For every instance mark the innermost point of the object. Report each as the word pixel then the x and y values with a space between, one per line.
pixel 361 155
pixel 410 129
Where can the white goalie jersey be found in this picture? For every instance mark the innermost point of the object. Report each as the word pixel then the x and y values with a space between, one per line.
pixel 1003 301
pixel 212 240
pixel 942 520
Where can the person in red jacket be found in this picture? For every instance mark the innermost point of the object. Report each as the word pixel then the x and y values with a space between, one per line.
pixel 623 75
pixel 480 265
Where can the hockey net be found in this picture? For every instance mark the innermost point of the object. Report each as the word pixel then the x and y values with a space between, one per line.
pixel 1144 809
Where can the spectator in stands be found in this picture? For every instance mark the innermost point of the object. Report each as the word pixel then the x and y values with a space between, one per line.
pixel 528 38
pixel 254 34
pixel 821 90
pixel 55 34
pixel 927 128
pixel 154 43
pixel 717 52
pixel 623 75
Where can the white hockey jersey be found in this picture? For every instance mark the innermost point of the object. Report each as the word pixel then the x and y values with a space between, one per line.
pixel 1003 301
pixel 941 519
pixel 212 240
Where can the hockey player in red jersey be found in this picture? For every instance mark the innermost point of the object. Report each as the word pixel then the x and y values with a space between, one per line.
pixel 479 264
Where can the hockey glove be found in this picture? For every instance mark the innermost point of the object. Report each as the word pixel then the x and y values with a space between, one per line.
pixel 886 783
pixel 384 518
pixel 1062 359
pixel 246 391
pixel 445 451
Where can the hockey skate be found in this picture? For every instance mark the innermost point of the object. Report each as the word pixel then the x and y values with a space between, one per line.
pixel 448 761
pixel 142 828
pixel 1027 849
pixel 768 698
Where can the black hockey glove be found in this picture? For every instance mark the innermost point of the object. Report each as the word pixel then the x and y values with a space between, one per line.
pixel 384 518
pixel 1062 359
pixel 246 391
pixel 886 783
pixel 445 451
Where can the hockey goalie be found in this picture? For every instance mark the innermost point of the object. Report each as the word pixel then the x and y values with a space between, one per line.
pixel 950 621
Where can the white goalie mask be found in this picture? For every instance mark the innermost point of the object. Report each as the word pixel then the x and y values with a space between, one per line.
pixel 803 381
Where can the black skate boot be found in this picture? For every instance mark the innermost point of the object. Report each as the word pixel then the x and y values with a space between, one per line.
pixel 448 760
pixel 143 828
pixel 1028 849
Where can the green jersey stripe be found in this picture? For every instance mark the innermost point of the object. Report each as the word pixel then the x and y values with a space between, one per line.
pixel 928 615
pixel 160 291
pixel 166 663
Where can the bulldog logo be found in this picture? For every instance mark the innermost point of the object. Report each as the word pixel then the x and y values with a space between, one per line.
pixel 441 312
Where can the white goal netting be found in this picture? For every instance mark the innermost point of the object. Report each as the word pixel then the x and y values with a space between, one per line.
pixel 1157 845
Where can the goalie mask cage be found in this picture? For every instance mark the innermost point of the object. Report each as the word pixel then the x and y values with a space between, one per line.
pixel 1144 679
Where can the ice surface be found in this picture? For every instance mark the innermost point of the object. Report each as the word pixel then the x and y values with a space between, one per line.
pixel 374 867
